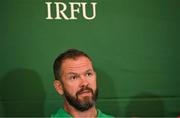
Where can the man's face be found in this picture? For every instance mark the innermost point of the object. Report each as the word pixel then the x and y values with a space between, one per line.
pixel 79 83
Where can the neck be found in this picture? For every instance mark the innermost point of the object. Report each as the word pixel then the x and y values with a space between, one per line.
pixel 91 113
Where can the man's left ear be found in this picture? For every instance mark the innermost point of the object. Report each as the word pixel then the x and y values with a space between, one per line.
pixel 58 87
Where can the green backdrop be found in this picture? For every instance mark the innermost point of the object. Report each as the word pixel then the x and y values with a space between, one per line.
pixel 134 45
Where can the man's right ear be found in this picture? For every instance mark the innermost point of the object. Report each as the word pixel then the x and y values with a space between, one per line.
pixel 58 87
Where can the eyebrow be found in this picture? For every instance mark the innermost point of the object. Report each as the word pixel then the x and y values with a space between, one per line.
pixel 72 73
pixel 89 70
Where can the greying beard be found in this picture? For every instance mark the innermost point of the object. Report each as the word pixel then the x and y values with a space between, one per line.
pixel 76 103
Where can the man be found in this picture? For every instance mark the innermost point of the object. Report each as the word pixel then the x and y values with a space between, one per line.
pixel 75 80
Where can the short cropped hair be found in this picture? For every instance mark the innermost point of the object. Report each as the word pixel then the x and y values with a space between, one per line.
pixel 69 54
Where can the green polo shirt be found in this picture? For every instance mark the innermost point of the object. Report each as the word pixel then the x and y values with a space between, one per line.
pixel 62 113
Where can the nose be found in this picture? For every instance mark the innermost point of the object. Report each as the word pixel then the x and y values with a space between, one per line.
pixel 84 82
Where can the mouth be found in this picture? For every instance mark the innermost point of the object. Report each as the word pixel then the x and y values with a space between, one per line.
pixel 85 91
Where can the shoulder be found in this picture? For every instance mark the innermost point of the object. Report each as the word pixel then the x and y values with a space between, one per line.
pixel 101 114
pixel 60 113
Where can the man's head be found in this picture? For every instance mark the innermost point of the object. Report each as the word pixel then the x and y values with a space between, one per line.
pixel 75 79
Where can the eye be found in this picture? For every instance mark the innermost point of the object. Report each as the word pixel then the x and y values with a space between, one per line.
pixel 73 77
pixel 89 74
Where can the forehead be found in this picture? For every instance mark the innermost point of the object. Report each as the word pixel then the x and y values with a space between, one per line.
pixel 79 64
